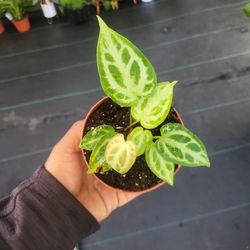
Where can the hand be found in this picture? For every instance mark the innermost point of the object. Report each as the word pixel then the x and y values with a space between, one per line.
pixel 66 164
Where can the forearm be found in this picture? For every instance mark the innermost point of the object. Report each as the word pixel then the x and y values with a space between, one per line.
pixel 41 214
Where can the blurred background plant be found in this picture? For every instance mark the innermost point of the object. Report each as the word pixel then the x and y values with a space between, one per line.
pixel 2 12
pixel 16 8
pixel 106 4
pixel 16 12
pixel 246 10
pixel 79 4
pixel 78 10
pixel 71 4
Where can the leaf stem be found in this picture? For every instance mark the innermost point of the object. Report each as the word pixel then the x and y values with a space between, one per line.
pixel 130 118
pixel 131 125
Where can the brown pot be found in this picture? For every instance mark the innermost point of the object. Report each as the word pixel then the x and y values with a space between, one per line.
pixel 86 162
pixel 1 27
pixel 22 25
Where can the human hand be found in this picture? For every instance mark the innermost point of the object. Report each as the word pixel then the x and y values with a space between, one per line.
pixel 66 164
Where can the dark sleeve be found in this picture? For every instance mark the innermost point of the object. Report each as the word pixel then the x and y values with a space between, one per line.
pixel 40 214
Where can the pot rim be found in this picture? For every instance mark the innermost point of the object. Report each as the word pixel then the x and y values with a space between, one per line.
pixel 21 20
pixel 93 108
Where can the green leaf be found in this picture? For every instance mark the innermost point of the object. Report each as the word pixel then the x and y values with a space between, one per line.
pixel 159 165
pixel 107 5
pixel 246 9
pixel 152 110
pixel 181 146
pixel 141 138
pixel 97 157
pixel 93 136
pixel 120 154
pixel 125 73
pixel 106 167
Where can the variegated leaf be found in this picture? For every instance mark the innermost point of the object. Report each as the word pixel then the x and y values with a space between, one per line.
pixel 93 136
pixel 97 157
pixel 141 139
pixel 152 110
pixel 125 73
pixel 106 167
pixel 159 165
pixel 181 146
pixel 120 154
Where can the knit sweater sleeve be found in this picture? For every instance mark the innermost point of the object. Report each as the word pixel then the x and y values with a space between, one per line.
pixel 41 214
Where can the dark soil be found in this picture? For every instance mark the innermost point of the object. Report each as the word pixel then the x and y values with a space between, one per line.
pixel 139 177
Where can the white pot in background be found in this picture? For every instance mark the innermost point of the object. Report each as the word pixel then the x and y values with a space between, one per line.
pixel 146 1
pixel 48 9
pixel 8 16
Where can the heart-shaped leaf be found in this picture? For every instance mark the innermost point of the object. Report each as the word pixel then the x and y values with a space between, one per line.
pixel 141 139
pixel 159 165
pixel 97 157
pixel 120 154
pixel 125 73
pixel 152 110
pixel 181 146
pixel 93 136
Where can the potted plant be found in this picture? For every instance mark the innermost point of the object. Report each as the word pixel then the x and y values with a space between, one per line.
pixel 2 12
pixel 246 10
pixel 15 12
pixel 134 139
pixel 107 5
pixel 78 9
pixel 1 27
pixel 48 9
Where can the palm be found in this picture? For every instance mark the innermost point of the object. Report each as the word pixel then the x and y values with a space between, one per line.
pixel 67 165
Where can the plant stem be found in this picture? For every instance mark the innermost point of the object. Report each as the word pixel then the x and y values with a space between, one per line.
pixel 130 125
pixel 130 118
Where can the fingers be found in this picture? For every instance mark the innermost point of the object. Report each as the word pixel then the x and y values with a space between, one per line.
pixel 72 138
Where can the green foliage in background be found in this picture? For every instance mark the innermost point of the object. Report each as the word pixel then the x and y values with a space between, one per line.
pixel 246 10
pixel 16 8
pixel 72 4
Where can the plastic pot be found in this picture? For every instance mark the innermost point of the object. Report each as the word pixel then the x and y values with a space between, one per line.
pixel 48 9
pixel 22 25
pixel 92 110
pixel 1 27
